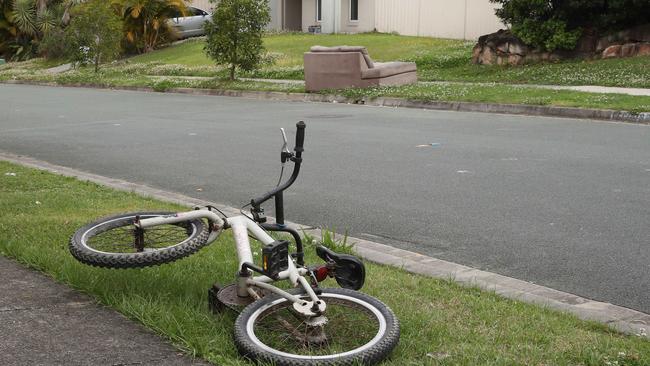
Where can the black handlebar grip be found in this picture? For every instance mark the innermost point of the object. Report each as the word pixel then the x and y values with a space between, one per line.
pixel 300 136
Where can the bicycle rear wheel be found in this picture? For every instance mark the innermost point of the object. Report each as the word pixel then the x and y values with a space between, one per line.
pixel 114 242
pixel 356 329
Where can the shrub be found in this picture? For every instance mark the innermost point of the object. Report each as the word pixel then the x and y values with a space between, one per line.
pixel 558 24
pixel 94 34
pixel 24 23
pixel 53 44
pixel 234 37
pixel 146 25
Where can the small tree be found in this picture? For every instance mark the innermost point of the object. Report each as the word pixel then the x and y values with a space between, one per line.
pixel 94 34
pixel 234 37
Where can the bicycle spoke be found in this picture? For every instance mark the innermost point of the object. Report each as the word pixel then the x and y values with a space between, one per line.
pixel 348 327
pixel 122 239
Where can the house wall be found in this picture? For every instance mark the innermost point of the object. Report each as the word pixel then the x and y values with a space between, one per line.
pixel 481 19
pixel 276 14
pixel 293 15
pixel 274 5
pixel 203 5
pixel 459 19
pixel 308 14
pixel 366 22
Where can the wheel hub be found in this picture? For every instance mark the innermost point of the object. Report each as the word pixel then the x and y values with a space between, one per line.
pixel 310 309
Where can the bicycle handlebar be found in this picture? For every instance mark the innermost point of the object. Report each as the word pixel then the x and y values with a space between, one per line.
pixel 300 137
pixel 297 160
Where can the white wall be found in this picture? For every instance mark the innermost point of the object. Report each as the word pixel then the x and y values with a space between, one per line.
pixel 478 23
pixel 202 4
pixel 460 19
pixel 308 14
pixel 275 5
pixel 276 15
pixel 366 22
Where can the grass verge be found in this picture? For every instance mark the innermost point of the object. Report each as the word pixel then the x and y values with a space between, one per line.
pixel 504 94
pixel 442 323
pixel 437 59
pixel 121 76
pixel 132 75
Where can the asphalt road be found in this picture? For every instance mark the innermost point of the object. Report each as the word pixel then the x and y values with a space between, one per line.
pixel 563 203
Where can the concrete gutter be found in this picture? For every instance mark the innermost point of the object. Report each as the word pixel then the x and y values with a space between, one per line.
pixel 518 109
pixel 622 319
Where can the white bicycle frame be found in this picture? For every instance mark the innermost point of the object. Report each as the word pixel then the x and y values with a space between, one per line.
pixel 242 226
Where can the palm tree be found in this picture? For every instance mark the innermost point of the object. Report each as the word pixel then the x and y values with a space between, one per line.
pixel 8 30
pixel 146 21
pixel 23 23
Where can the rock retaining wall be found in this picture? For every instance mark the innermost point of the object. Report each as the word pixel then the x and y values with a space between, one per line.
pixel 503 47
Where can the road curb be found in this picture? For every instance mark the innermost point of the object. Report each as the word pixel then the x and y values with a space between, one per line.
pixel 516 109
pixel 622 319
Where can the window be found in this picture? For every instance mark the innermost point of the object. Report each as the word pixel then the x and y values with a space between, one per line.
pixel 319 10
pixel 195 12
pixel 354 10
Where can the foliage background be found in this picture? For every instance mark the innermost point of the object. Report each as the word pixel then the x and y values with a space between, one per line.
pixel 558 24
pixel 30 28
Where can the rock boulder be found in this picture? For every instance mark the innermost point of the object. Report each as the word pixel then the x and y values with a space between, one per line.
pixel 503 47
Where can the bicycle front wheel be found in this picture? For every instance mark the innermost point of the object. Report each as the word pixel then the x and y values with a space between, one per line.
pixel 356 329
pixel 114 242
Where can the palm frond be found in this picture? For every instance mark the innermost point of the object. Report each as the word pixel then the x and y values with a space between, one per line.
pixel 46 21
pixel 24 16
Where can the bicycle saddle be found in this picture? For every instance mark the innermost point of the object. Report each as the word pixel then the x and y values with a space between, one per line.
pixel 350 273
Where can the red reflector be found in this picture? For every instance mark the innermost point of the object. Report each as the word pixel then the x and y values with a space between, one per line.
pixel 321 273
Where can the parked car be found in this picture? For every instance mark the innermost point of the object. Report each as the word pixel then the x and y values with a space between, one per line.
pixel 191 25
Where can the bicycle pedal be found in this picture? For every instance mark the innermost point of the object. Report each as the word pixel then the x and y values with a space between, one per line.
pixel 275 257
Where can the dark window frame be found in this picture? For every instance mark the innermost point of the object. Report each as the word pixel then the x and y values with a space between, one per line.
pixel 354 10
pixel 319 10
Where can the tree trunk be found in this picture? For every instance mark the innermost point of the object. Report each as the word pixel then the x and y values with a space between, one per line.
pixel 232 72
pixel 41 7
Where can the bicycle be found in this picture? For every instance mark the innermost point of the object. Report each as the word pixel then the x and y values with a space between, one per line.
pixel 306 325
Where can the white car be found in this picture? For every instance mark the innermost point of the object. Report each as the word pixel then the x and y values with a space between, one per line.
pixel 191 25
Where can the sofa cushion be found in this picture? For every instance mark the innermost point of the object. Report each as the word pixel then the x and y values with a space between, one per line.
pixel 385 69
pixel 340 49
pixel 363 50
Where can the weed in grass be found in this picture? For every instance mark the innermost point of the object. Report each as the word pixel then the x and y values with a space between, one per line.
pixel 162 85
pixel 329 240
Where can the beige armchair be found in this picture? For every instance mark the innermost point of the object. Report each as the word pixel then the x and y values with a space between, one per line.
pixel 351 67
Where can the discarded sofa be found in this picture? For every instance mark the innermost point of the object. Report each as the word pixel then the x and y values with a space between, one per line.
pixel 351 67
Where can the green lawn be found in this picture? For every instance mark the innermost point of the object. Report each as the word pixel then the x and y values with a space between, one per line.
pixel 136 75
pixel 289 48
pixel 437 59
pixel 442 323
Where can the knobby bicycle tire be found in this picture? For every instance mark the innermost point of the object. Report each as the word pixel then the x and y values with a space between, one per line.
pixel 379 348
pixel 195 237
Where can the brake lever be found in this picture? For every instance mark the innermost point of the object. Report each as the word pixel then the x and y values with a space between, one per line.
pixel 285 153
